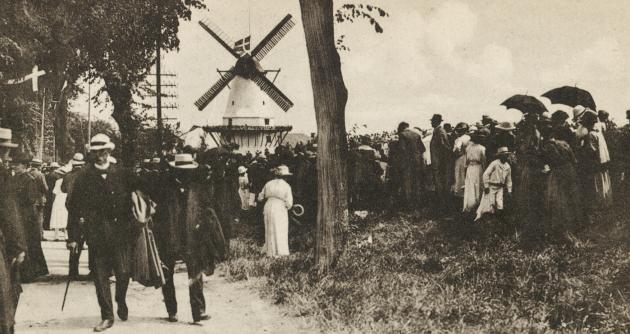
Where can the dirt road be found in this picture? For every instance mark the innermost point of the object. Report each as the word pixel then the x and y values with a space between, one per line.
pixel 234 307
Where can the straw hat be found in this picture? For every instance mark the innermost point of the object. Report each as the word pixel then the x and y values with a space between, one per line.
pixel 54 165
pixel 77 159
pixel 184 161
pixel 502 150
pixel 101 142
pixel 283 170
pixel 5 138
pixel 578 111
pixel 36 162
pixel 242 170
pixel 505 126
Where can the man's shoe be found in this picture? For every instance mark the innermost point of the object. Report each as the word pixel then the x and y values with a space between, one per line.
pixel 172 318
pixel 204 317
pixel 105 324
pixel 123 312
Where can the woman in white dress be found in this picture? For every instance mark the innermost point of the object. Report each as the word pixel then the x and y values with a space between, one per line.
pixel 459 148
pixel 243 188
pixel 279 197
pixel 59 213
pixel 475 166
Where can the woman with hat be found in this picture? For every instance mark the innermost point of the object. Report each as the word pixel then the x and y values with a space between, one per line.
pixel 13 249
pixel 595 186
pixel 497 179
pixel 279 197
pixel 475 165
pixel 59 213
pixel 561 129
pixel 459 148
pixel 243 188
pixel 562 199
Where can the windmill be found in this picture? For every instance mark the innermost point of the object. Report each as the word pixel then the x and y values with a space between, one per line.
pixel 248 119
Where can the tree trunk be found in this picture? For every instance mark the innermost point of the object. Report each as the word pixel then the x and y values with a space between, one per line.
pixel 330 96
pixel 121 96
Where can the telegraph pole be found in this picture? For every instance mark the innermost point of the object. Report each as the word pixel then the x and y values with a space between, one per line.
pixel 41 144
pixel 158 79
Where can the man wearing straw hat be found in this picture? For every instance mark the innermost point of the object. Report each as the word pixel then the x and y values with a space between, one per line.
pixel 12 239
pixel 186 226
pixel 101 203
pixel 67 186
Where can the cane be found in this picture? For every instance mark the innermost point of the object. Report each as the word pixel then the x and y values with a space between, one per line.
pixel 75 251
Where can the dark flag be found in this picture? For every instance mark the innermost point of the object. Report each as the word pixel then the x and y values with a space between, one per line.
pixel 242 45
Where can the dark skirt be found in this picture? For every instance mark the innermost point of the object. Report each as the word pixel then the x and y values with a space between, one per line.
pixel 562 199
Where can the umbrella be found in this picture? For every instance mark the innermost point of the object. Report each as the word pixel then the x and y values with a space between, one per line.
pixel 571 96
pixel 525 103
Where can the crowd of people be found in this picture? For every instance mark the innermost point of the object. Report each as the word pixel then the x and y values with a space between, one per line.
pixel 549 172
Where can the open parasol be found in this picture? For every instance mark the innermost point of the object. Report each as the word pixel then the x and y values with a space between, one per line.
pixel 525 103
pixel 571 96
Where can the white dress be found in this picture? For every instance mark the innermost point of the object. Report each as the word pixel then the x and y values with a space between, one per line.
pixel 279 200
pixel 243 191
pixel 59 214
pixel 459 148
pixel 475 165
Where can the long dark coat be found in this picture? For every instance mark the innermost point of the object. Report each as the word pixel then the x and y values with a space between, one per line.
pixel 28 198
pixel 12 243
pixel 105 205
pixel 186 226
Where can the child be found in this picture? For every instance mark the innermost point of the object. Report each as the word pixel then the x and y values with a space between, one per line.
pixel 496 178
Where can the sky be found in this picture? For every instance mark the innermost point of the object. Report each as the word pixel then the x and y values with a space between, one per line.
pixel 457 58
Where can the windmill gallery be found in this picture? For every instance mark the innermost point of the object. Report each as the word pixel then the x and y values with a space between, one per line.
pixel 483 197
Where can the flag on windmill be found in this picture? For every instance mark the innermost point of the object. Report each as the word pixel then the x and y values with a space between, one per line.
pixel 242 45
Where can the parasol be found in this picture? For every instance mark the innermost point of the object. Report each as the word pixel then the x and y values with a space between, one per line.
pixel 525 103
pixel 571 96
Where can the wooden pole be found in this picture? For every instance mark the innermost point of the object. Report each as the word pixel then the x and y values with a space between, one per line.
pixel 89 129
pixel 41 143
pixel 158 79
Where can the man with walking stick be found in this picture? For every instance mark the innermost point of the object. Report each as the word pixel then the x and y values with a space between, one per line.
pixel 102 200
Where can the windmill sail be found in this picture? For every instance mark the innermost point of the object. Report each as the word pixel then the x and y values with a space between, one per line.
pixel 273 92
pixel 203 101
pixel 219 35
pixel 273 38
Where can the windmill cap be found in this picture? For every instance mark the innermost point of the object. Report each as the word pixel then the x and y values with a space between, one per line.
pixel 5 138
pixel 184 161
pixel 101 142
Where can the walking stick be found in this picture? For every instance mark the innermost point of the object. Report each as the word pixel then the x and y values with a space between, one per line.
pixel 75 251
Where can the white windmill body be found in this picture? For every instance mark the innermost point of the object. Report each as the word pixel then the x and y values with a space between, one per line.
pixel 249 118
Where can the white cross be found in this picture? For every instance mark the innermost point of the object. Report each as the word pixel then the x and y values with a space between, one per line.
pixel 33 77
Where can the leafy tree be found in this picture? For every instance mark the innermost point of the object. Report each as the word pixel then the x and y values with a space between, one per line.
pixel 351 12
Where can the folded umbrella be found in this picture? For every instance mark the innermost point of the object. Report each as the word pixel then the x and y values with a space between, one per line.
pixel 571 96
pixel 525 103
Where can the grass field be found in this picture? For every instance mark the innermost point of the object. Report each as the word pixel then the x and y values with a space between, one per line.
pixel 405 274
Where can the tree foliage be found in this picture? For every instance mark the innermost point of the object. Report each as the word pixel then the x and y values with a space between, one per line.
pixel 351 12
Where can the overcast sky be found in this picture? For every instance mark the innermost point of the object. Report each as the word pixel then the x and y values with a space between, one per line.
pixel 457 58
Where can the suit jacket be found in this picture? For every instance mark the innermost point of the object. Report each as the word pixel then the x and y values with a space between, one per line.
pixel 411 149
pixel 440 149
pixel 41 188
pixel 104 202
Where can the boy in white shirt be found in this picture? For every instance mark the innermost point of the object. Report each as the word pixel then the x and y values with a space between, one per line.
pixel 496 179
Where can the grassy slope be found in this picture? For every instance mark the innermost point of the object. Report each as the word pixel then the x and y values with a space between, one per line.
pixel 419 275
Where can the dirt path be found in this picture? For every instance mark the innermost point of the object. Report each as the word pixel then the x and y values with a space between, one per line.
pixel 234 307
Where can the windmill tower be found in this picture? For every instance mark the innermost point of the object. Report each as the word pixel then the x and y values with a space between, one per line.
pixel 249 119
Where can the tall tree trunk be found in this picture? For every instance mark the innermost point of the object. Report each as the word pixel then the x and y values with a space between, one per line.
pixel 121 96
pixel 330 96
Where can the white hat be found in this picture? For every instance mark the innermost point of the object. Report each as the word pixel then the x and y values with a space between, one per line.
pixel 242 170
pixel 101 142
pixel 578 111
pixel 502 150
pixel 283 170
pixel 54 165
pixel 77 159
pixel 5 138
pixel 156 160
pixel 36 161
pixel 184 161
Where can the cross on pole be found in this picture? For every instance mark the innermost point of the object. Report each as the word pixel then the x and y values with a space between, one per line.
pixel 33 77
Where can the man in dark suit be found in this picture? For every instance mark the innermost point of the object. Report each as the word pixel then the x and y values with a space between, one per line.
pixel 12 239
pixel 441 153
pixel 411 165
pixel 101 197
pixel 41 193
